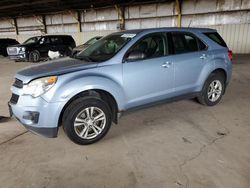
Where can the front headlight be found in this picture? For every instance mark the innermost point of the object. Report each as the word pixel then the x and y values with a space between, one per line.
pixel 22 49
pixel 39 86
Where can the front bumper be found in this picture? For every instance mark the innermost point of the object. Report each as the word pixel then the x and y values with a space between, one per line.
pixel 44 131
pixel 47 132
pixel 37 115
pixel 22 57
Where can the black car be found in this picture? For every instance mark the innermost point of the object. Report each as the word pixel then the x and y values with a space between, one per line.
pixel 4 43
pixel 36 48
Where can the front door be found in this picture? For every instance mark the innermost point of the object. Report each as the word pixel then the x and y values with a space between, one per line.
pixel 44 46
pixel 149 78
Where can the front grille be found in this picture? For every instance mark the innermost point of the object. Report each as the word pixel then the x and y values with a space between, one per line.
pixel 14 98
pixel 18 83
pixel 12 50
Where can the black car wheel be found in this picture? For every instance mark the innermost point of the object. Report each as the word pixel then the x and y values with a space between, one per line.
pixel 87 120
pixel 34 56
pixel 67 52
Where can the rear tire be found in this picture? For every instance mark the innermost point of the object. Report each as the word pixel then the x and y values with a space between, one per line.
pixel 87 120
pixel 212 90
pixel 34 56
pixel 67 52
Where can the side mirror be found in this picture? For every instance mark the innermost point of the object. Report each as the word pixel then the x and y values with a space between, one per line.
pixel 135 55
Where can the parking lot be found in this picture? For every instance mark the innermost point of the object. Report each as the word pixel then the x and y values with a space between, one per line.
pixel 180 144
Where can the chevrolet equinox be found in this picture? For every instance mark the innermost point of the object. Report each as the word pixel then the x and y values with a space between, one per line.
pixel 124 70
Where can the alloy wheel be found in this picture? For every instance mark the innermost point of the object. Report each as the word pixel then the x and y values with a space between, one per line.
pixel 90 122
pixel 214 90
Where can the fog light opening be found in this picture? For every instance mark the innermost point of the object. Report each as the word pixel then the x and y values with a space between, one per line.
pixel 32 116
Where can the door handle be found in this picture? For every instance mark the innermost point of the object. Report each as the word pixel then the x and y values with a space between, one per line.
pixel 203 56
pixel 166 65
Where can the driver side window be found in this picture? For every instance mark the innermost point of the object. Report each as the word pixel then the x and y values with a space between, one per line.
pixel 44 40
pixel 150 47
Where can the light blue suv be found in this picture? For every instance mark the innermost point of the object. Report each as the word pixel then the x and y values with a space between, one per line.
pixel 122 71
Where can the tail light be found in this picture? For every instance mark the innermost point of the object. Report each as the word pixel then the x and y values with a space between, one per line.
pixel 230 55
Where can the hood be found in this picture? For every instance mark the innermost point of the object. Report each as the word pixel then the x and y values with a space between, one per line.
pixel 53 67
pixel 23 45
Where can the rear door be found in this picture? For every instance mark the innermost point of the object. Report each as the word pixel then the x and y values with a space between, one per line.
pixel 150 78
pixel 57 44
pixel 190 56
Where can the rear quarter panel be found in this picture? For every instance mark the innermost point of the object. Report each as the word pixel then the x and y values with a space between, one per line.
pixel 222 62
pixel 218 60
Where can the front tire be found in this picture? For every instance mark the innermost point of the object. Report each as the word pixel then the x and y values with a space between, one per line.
pixel 87 120
pixel 5 54
pixel 34 56
pixel 213 90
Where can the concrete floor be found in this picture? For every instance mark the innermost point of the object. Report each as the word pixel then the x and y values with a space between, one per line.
pixel 181 144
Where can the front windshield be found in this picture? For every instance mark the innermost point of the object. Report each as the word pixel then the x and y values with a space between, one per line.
pixel 92 41
pixel 105 48
pixel 32 40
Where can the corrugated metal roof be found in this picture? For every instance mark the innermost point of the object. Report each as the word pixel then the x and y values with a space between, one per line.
pixel 17 8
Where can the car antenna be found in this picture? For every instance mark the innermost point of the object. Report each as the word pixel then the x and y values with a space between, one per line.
pixel 190 23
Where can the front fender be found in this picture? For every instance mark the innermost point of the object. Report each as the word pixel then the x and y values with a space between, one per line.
pixel 68 87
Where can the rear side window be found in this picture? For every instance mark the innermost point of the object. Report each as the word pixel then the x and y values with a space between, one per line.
pixel 68 40
pixel 56 40
pixel 216 38
pixel 201 45
pixel 191 43
pixel 185 42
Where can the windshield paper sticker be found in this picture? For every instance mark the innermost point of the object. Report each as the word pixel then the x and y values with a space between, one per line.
pixel 129 35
